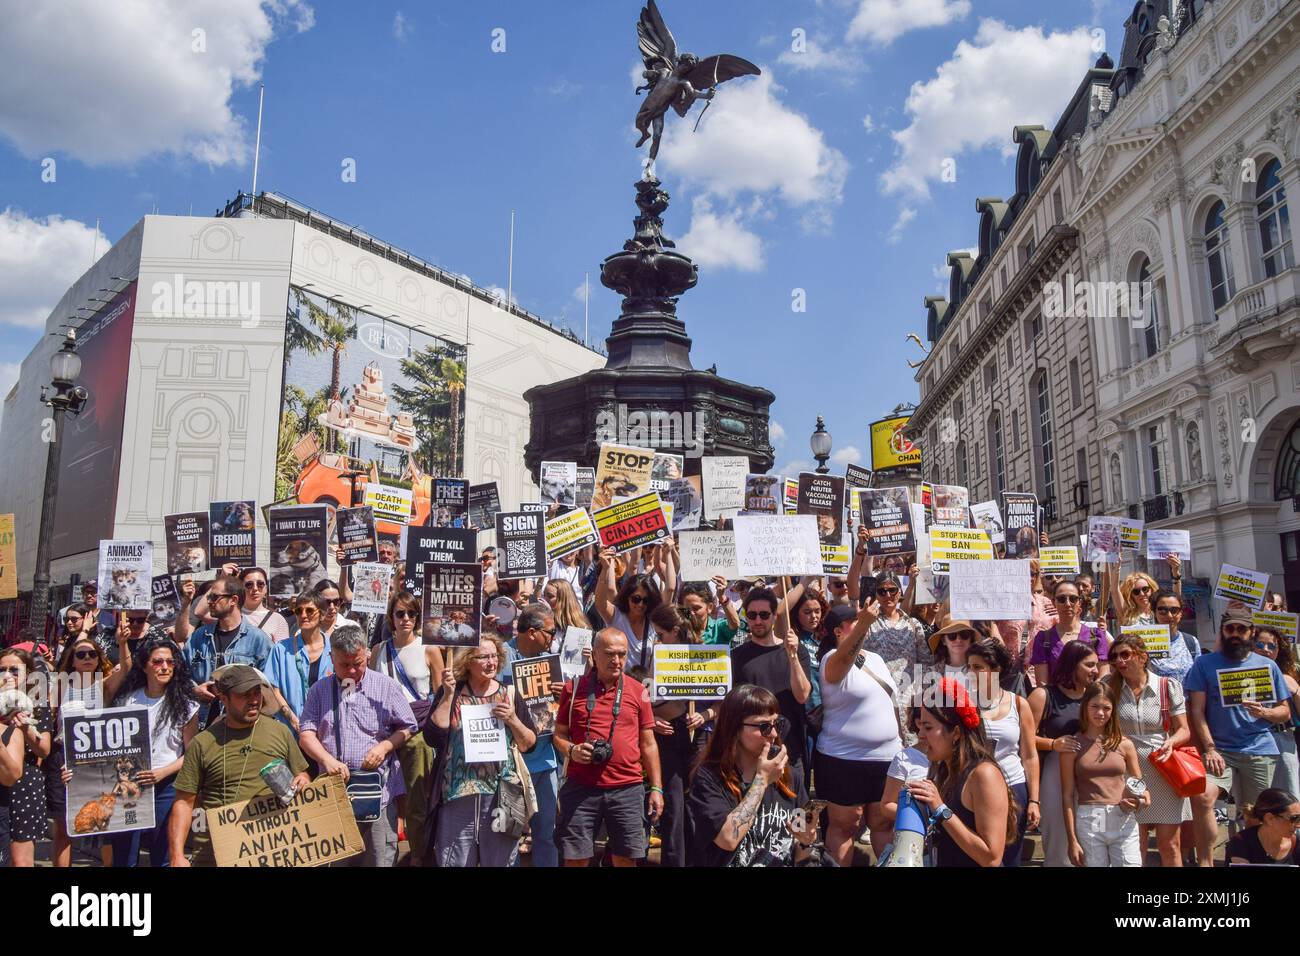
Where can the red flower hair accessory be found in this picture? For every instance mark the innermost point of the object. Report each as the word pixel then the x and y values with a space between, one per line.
pixel 955 691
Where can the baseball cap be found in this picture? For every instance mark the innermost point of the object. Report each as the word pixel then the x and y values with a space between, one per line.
pixel 239 678
pixel 1237 615
pixel 840 614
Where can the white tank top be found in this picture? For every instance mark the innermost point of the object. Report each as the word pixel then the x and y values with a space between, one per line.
pixel 416 666
pixel 858 721
pixel 1004 734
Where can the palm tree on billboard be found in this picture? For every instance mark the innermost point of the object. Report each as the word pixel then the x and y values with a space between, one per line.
pixel 453 372
pixel 433 405
pixel 329 328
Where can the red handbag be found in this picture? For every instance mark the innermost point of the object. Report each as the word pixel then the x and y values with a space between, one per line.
pixel 1182 769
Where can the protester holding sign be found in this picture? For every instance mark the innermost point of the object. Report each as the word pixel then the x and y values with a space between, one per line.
pixel 1271 644
pixel 1132 598
pixel 1234 734
pixel 628 607
pixel 1047 645
pixel 898 638
pixel 1183 648
pixel 230 639
pixel 25 797
pixel 701 601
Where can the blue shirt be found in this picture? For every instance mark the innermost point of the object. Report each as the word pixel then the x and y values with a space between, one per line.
pixel 287 669
pixel 251 645
pixel 1232 727
pixel 542 758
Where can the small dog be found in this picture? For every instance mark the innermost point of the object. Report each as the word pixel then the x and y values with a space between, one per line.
pixel 95 815
pixel 126 787
pixel 298 567
pixel 238 517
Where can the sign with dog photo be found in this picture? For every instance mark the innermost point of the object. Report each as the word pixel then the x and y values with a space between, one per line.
pixel 187 542
pixel 622 471
pixel 299 539
pixel 452 597
pixel 230 533
pixel 559 483
pixel 435 546
pixel 125 576
pixel 106 750
pixel 355 528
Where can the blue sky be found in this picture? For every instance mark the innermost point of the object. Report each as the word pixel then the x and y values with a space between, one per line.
pixel 823 175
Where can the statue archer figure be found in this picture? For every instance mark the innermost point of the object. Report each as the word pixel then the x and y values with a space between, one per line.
pixel 676 81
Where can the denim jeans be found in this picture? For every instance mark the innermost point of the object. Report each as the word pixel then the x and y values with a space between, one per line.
pixel 1108 835
pixel 542 824
pixel 126 846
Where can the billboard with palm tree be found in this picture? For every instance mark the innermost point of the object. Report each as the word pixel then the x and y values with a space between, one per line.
pixel 365 399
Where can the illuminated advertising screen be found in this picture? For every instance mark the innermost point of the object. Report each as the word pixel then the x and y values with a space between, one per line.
pixel 890 449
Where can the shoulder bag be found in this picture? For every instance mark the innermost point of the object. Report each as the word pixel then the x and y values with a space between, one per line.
pixel 365 788
pixel 1182 769
pixel 515 801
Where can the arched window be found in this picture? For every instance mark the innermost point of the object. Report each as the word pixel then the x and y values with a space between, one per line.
pixel 1286 481
pixel 1274 221
pixel 491 469
pixel 1149 309
pixel 997 459
pixel 963 472
pixel 1218 258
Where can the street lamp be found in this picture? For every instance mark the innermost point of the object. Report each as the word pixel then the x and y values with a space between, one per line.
pixel 65 366
pixel 820 442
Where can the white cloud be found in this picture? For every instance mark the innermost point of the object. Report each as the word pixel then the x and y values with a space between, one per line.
pixel 969 104
pixel 815 56
pixel 775 433
pixel 39 259
pixel 401 27
pixel 905 216
pixel 564 89
pixel 884 21
pixel 722 240
pixel 792 468
pixel 114 82
pixel 868 124
pixel 848 455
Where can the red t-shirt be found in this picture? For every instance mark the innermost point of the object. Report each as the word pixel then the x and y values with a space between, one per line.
pixel 635 716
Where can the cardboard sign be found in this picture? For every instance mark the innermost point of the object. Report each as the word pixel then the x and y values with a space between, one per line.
pixel 951 506
pixel 230 533
pixel 949 544
pixel 724 485
pixel 1130 533
pixel 484 504
pixel 622 471
pixel 1103 539
pixel 317 829
pixel 1235 584
pixel 370 583
pixel 687 501
pixel 887 516
pixel 1155 638
pixel 572 664
pixel 8 560
pixel 632 523
pixel 988 519
pixel 355 528
pixel 1288 625
pixel 586 487
pixel 665 470
pixel 390 502
pixel 822 496
pixel 299 549
pixel 1020 524
pixel 690 672
pixel 484 735
pixel 521 545
pixel 857 477
pixel 705 554
pixel 990 590
pixel 187 542
pixel 777 545
pixel 533 677
pixel 435 546
pixel 125 576
pixel 570 532
pixel 452 598
pixel 1162 542
pixel 166 601
pixel 1059 561
pixel 1239 685
pixel 763 494
pixel 106 750
pixel 559 483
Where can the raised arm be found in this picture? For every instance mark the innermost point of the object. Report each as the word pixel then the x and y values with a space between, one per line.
pixel 856 566
pixel 842 659
pixel 606 587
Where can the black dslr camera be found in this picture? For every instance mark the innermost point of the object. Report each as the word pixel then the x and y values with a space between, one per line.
pixel 601 750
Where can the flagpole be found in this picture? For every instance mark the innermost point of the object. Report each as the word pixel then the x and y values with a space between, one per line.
pixel 257 146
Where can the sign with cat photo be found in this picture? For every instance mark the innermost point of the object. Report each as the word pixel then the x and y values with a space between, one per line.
pixel 187 542
pixel 126 576
pixel 106 750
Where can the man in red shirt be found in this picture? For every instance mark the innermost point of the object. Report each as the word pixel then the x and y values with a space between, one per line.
pixel 605 728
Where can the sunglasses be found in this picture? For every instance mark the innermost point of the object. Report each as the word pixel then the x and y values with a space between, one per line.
pixel 1169 610
pixel 1265 646
pixel 961 636
pixel 637 599
pixel 1237 630
pixel 1293 818
pixel 255 584
pixel 765 727
pixel 839 584
pixel 401 615
pixel 163 664
pixel 72 620
pixel 306 615
pixel 1068 599
pixel 1123 656
pixel 1142 590
pixel 86 656
pixel 333 602
pixel 886 592
pixel 758 615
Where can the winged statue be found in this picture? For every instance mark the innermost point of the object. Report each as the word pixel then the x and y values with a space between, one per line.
pixel 676 80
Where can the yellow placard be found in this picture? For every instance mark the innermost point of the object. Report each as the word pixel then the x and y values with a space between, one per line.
pixel 691 672
pixel 949 544
pixel 1241 684
pixel 390 501
pixel 569 532
pixel 1061 560
pixel 889 448
pixel 1154 637
pixel 8 559
pixel 1284 623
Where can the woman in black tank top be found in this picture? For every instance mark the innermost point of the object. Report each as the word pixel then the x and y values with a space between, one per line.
pixel 976 814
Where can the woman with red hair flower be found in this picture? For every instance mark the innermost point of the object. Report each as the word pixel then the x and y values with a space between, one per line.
pixel 966 792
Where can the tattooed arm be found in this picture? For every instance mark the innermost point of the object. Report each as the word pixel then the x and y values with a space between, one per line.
pixel 845 655
pixel 736 826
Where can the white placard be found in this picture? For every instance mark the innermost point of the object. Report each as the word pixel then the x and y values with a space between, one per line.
pixel 484 735
pixel 924 593
pixel 724 485
pixel 1103 539
pixel 989 590
pixel 572 664
pixel 707 553
pixel 125 575
pixel 777 545
pixel 1162 542
pixel 370 583
pixel 986 515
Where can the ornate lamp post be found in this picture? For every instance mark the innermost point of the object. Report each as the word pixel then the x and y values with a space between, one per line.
pixel 65 366
pixel 820 442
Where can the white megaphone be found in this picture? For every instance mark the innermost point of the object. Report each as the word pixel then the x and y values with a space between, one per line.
pixel 908 846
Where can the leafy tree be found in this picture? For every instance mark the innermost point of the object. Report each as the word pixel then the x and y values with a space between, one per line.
pixel 433 405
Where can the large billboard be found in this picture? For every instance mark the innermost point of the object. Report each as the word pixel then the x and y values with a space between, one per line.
pixel 890 448
pixel 369 400
pixel 92 441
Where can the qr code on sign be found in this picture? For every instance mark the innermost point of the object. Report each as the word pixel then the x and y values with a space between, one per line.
pixel 519 554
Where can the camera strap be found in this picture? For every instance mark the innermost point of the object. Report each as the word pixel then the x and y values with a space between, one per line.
pixel 591 704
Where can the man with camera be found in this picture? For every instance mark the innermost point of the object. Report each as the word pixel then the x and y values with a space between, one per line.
pixel 605 729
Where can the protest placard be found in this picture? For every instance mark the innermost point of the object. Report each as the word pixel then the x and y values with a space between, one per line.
pixel 389 502
pixel 1235 584
pixel 230 533
pixel 1059 560
pixel 948 544
pixel 687 500
pixel 1154 637
pixel 988 519
pixel 951 506
pixel 777 544
pixel 691 672
pixel 586 487
pixel 533 677
pixel 370 583
pixel 1103 539
pixel 622 471
pixel 763 494
pixel 989 590
pixel 665 470
pixel 355 528
pixel 822 496
pixel 705 554
pixel 187 542
pixel 435 546
pixel 632 523
pixel 790 496
pixel 299 549
pixel 559 483
pixel 724 485
pixel 452 595
pixel 568 533
pixel 317 829
pixel 1020 524
pixel 521 545
pixel 1130 533
pixel 857 477
pixel 450 506
pixel 125 573
pixel 835 556
pixel 107 749
pixel 887 516
pixel 1239 685
pixel 1284 623
pixel 572 664
pixel 484 504
pixel 484 735
pixel 533 507
pixel 924 593
pixel 1162 542
pixel 8 559
pixel 166 601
